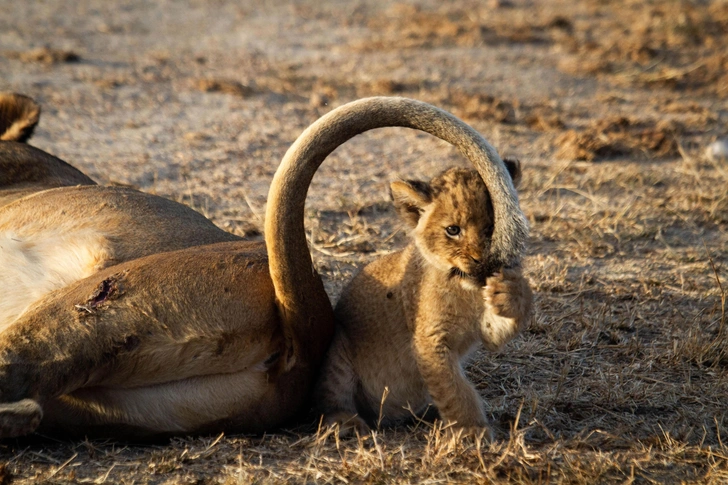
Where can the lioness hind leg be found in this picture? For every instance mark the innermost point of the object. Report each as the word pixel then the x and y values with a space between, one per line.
pixel 19 418
pixel 118 330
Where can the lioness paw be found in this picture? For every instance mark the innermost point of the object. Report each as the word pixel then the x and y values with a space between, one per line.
pixel 19 418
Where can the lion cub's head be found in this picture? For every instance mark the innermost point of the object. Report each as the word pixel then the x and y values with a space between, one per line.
pixel 452 220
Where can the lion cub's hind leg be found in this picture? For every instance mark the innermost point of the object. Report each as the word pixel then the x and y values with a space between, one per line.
pixel 336 392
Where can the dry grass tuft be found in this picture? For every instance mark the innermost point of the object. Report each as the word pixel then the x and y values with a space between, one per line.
pixel 544 119
pixel 480 106
pixel 619 137
pixel 45 55
pixel 225 86
pixel 405 26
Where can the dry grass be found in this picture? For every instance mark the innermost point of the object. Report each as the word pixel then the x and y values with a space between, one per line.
pixel 621 378
pixel 679 45
pixel 407 26
pixel 676 44
pixel 425 455
pixel 623 375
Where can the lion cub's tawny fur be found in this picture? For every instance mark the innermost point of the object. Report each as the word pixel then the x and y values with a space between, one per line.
pixel 406 321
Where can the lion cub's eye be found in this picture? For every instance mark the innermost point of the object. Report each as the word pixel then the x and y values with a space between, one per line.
pixel 452 230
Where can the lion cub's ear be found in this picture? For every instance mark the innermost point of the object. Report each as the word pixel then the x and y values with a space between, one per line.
pixel 410 199
pixel 18 116
pixel 514 168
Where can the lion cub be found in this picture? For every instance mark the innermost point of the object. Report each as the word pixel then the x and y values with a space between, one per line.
pixel 407 320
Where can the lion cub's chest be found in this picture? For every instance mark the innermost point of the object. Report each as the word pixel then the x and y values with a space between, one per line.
pixel 419 303
pixel 33 265
pixel 443 305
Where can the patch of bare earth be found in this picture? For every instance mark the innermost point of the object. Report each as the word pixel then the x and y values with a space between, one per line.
pixel 623 375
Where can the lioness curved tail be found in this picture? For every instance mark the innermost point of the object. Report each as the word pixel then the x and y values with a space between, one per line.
pixel 151 321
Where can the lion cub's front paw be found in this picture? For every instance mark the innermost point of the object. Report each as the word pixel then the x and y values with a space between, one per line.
pixel 19 418
pixel 468 421
pixel 508 295
pixel 349 425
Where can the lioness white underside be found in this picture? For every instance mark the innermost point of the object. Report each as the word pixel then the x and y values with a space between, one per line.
pixel 33 265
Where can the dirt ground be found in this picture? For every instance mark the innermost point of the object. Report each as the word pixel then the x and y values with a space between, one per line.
pixel 623 375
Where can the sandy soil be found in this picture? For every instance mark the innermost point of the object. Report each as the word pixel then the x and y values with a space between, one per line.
pixel 609 105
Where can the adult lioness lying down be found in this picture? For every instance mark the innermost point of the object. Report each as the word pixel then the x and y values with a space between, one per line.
pixel 125 314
